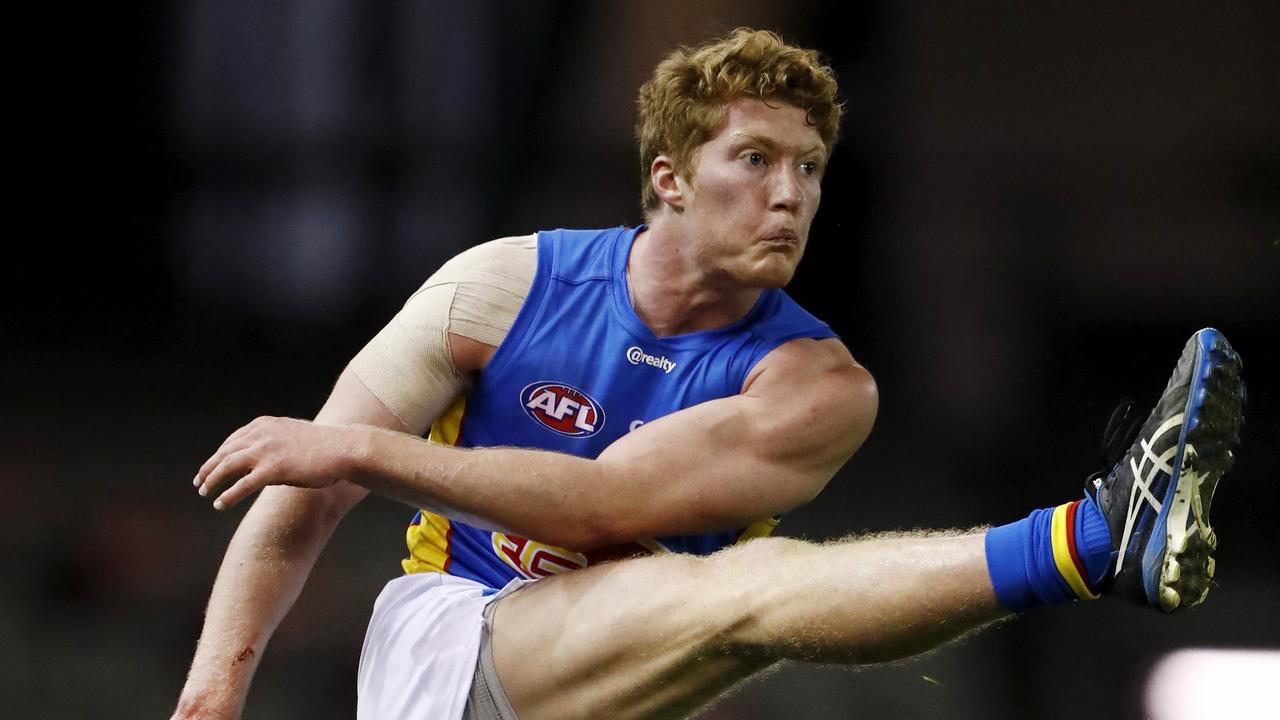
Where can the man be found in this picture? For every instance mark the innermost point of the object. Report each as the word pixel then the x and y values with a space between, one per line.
pixel 649 395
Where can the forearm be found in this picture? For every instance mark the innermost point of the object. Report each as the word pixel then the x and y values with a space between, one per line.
pixel 707 468
pixel 665 482
pixel 552 497
pixel 263 572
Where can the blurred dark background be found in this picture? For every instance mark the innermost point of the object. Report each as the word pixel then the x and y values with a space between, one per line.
pixel 217 202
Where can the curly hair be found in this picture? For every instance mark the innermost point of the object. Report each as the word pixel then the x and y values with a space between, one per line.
pixel 684 102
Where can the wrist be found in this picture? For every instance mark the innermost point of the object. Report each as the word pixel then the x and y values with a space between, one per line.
pixel 357 454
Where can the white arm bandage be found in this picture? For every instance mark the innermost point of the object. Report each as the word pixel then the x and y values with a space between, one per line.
pixel 408 365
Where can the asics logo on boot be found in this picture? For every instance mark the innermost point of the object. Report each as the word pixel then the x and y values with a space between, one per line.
pixel 1144 476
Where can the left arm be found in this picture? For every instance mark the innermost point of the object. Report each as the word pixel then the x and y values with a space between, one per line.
pixel 806 409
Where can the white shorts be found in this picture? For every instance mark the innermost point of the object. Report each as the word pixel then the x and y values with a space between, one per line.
pixel 419 655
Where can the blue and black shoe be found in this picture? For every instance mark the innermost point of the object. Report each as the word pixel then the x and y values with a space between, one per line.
pixel 1156 498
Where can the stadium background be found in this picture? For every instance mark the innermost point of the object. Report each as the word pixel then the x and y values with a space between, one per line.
pixel 218 201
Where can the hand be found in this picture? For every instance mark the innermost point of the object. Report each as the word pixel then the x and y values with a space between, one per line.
pixel 275 451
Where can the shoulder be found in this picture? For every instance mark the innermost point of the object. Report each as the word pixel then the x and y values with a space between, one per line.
pixel 471 302
pixel 777 319
pixel 817 381
pixel 807 359
pixel 518 254
pixel 579 255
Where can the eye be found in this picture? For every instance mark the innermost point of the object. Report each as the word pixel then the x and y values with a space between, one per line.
pixel 809 168
pixel 755 158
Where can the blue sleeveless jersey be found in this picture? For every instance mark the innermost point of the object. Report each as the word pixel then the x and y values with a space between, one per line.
pixel 577 371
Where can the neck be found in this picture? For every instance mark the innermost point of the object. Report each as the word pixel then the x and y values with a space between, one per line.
pixel 673 294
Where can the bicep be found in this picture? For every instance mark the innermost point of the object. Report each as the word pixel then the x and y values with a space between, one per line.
pixel 728 462
pixel 352 402
pixel 407 367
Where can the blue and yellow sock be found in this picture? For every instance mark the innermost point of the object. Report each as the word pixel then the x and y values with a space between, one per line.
pixel 1052 556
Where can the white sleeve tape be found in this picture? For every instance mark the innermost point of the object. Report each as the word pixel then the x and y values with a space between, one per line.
pixel 477 294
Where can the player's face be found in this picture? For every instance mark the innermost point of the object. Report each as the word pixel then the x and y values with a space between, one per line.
pixel 755 189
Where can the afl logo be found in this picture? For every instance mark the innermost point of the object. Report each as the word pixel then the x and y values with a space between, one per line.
pixel 562 409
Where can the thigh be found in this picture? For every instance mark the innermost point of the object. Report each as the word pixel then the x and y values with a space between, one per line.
pixel 643 638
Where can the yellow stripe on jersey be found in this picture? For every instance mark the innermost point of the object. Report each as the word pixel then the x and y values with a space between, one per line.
pixel 759 529
pixel 428 543
pixel 428 540
pixel 447 427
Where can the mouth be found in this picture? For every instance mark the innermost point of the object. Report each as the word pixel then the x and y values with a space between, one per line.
pixel 784 237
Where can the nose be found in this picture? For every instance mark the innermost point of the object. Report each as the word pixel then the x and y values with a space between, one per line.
pixel 787 192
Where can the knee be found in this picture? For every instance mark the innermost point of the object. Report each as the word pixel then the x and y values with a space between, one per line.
pixel 752 587
pixel 761 557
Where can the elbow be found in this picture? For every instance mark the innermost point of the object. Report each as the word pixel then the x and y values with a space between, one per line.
pixel 609 514
pixel 594 530
pixel 859 404
pixel 600 521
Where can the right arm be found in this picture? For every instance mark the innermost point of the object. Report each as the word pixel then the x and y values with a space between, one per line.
pixel 265 567
pixel 402 380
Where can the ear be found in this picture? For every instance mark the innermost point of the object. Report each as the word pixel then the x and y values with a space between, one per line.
pixel 667 183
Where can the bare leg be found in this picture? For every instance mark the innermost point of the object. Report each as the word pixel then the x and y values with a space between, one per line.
pixel 659 637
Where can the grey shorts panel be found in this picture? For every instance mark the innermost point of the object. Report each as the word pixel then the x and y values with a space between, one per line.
pixel 487 700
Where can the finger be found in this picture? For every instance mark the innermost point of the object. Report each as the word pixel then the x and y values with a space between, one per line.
pixel 244 487
pixel 230 468
pixel 234 442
